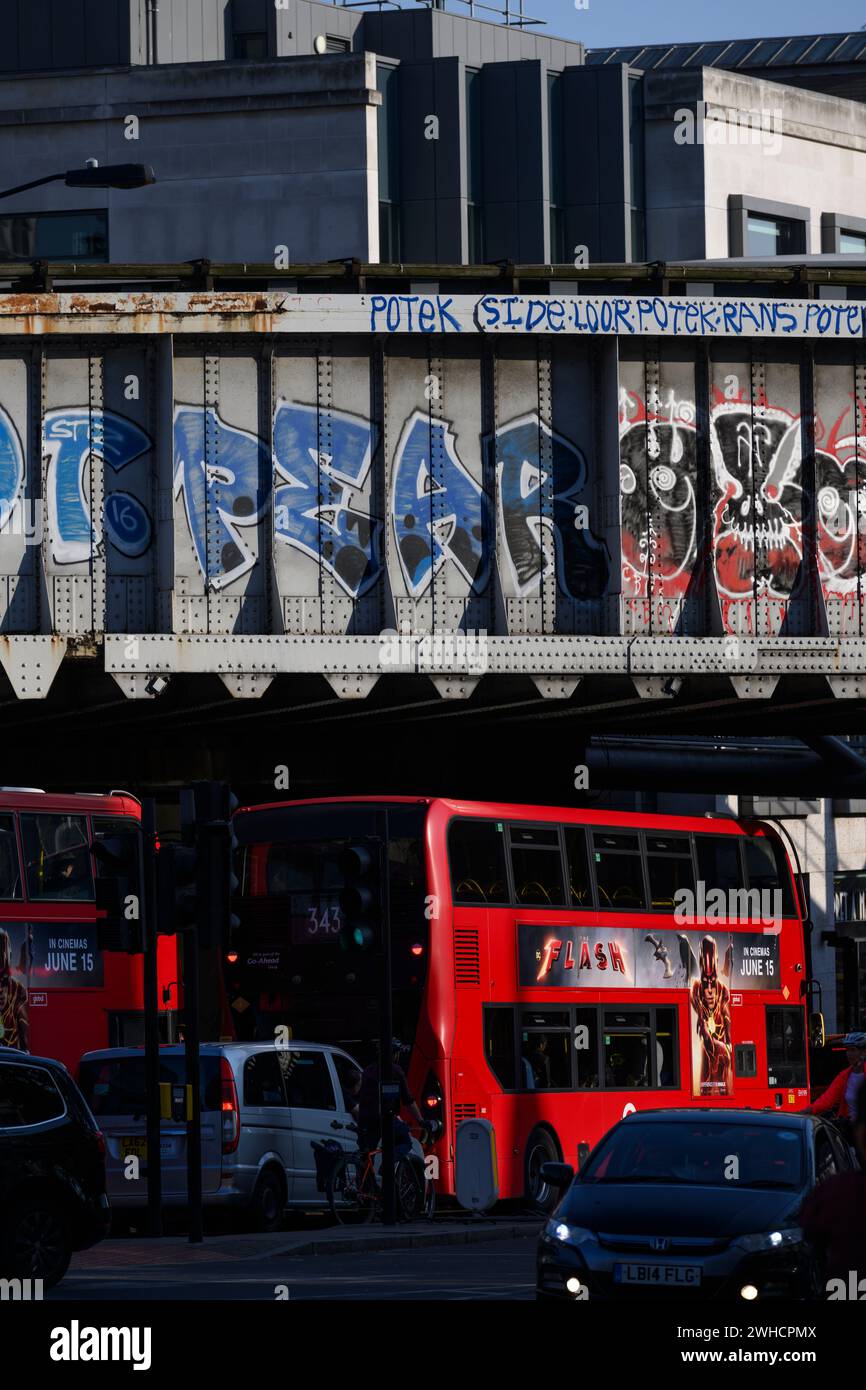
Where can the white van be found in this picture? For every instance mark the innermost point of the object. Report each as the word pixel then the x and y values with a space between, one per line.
pixel 262 1108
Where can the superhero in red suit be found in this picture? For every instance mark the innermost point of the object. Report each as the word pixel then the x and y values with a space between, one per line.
pixel 711 1001
pixel 13 1002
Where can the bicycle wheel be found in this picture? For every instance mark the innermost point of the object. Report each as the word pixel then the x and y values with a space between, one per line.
pixel 350 1201
pixel 410 1197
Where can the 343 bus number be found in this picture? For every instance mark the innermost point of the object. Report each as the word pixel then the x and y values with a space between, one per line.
pixel 323 923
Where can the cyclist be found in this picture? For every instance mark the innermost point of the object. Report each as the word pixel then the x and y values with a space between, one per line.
pixel 369 1125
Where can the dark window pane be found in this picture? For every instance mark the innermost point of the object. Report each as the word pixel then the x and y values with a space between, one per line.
pixel 499 1045
pixel 666 1046
pixel 579 886
pixel 626 1018
pixel 668 874
pixel 28 1096
pixel 626 1059
pixel 604 841
pixel 544 1018
pixel 10 869
pixel 263 1080
pixel 477 854
pixel 786 1047
pixel 586 1048
pixel 545 1060
pixel 767 870
pixel 308 1081
pixel 620 880
pixel 774 236
pixel 349 1077
pixel 57 857
pixel 852 244
pixel 64 236
pixel 719 862
pixel 537 877
pixel 251 46
pixel 116 1085
pixel 533 835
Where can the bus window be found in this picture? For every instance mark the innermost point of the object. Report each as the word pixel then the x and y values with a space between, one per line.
pixel 786 1047
pixel 477 853
pixel 57 857
pixel 586 1048
pixel 768 872
pixel 10 870
pixel 719 862
pixel 537 866
pixel 579 883
pixel 666 1047
pixel 626 1057
pixel 499 1044
pixel 669 863
pixel 619 872
pixel 545 1050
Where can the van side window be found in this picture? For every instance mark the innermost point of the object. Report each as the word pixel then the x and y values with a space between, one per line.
pixel 308 1082
pixel 263 1081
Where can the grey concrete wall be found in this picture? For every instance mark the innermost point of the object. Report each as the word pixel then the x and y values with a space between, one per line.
pixel 247 157
pixel 430 170
pixel 46 35
pixel 514 113
pixel 596 158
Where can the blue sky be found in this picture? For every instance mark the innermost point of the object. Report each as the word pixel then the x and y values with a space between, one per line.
pixel 609 22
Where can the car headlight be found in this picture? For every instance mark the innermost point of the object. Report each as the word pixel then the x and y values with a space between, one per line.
pixel 770 1240
pixel 564 1234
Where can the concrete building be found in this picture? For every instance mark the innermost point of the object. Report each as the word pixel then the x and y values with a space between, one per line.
pixel 322 132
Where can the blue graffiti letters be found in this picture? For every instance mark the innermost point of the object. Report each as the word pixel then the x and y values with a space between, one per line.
pixel 325 460
pixel 583 563
pixel 412 313
pixel 11 466
pixel 222 473
pixel 72 439
pixel 440 513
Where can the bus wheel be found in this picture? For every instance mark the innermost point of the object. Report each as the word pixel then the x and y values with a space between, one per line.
pixel 540 1149
pixel 266 1207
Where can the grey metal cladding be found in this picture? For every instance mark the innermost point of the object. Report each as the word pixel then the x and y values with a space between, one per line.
pixel 513 105
pixel 596 173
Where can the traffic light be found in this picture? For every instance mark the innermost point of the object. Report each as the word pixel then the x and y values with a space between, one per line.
pixel 120 916
pixel 361 894
pixel 214 807
pixel 196 875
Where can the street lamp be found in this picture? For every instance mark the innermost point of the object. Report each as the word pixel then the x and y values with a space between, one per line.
pixel 92 176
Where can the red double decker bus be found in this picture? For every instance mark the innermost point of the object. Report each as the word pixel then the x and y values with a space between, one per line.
pixel 552 968
pixel 60 995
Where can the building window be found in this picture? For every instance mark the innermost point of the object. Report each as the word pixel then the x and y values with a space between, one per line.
pixel 852 243
pixel 474 169
pixel 389 168
pixel 842 235
pixel 54 236
pixel 555 167
pixel 761 229
pixel 251 46
pixel 774 236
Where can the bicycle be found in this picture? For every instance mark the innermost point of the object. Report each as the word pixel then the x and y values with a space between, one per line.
pixel 355 1193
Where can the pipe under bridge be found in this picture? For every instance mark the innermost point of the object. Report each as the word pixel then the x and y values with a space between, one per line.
pixel 650 486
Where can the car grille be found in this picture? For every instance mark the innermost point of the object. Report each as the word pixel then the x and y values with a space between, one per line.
pixel 676 1245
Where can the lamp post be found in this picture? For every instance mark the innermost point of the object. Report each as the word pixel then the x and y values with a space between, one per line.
pixel 92 176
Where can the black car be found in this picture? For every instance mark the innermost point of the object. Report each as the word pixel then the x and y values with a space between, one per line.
pixel 695 1203
pixel 52 1170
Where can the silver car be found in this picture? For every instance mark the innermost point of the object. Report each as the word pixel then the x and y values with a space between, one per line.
pixel 263 1107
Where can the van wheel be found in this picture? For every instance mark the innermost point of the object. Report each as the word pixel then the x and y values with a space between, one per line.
pixel 37 1244
pixel 266 1207
pixel 540 1149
